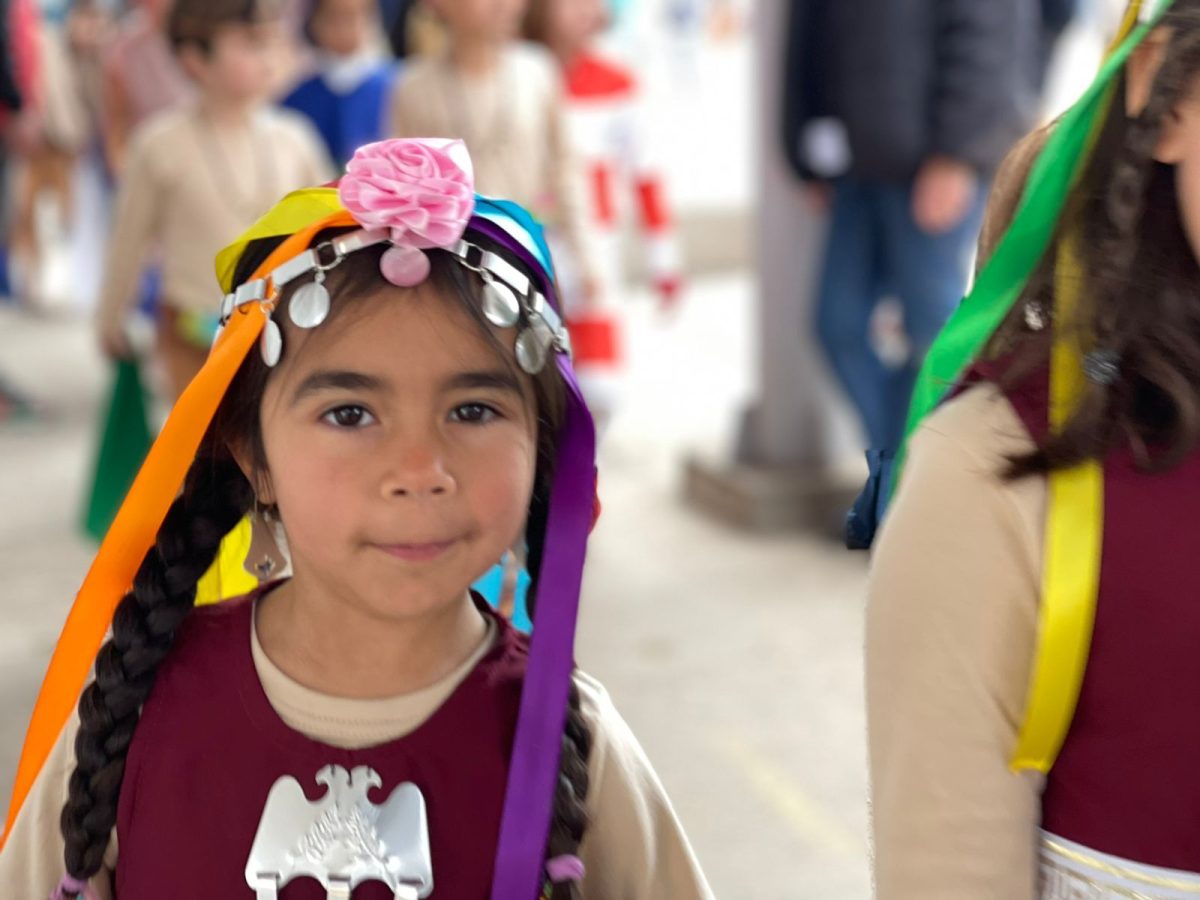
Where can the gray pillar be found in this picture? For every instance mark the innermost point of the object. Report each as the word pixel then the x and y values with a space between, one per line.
pixel 781 476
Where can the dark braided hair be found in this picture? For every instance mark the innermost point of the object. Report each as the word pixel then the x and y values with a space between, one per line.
pixel 214 499
pixel 1141 293
pixel 215 496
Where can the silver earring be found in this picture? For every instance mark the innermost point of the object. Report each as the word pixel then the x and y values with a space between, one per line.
pixel 264 558
pixel 1035 316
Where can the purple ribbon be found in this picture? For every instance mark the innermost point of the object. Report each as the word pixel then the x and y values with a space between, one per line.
pixel 533 769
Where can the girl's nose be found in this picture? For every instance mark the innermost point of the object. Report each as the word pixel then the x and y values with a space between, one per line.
pixel 419 472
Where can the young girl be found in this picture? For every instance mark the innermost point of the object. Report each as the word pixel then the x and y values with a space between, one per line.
pixel 391 391
pixel 199 173
pixel 1032 630
pixel 347 95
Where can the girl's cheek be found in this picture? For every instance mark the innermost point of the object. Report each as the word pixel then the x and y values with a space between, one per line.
pixel 1188 188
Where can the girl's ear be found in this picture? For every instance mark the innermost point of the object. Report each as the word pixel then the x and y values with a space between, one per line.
pixel 260 479
pixel 193 61
pixel 1142 69
pixel 1140 73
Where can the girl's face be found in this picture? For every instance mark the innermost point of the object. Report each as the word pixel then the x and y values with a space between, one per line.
pixel 343 27
pixel 241 62
pixel 401 451
pixel 1180 145
pixel 573 24
pixel 490 20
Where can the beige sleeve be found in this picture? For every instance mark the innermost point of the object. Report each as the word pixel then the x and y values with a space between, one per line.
pixel 634 847
pixel 31 863
pixel 950 633
pixel 135 227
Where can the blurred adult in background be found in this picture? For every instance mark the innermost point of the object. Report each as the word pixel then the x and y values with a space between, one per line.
pixel 347 93
pixel 897 114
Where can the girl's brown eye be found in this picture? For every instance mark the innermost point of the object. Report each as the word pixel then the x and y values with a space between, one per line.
pixel 349 417
pixel 473 413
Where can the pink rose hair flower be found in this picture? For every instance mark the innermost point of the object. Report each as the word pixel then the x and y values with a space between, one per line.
pixel 422 191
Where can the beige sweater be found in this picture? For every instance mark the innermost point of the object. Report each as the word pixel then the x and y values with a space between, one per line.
pixel 951 629
pixel 634 848
pixel 189 188
pixel 512 122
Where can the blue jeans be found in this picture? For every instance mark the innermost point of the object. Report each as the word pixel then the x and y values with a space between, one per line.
pixel 876 250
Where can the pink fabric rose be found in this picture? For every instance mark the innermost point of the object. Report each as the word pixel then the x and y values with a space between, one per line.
pixel 423 191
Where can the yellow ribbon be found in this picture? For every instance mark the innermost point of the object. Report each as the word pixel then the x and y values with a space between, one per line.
pixel 1074 532
pixel 227 577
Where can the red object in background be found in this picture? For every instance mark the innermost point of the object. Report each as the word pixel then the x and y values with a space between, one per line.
pixel 594 339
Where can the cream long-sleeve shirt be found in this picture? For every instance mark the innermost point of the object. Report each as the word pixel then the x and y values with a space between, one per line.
pixel 634 847
pixel 513 124
pixel 951 630
pixel 189 188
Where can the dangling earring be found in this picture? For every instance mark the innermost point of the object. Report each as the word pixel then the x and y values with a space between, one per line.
pixel 1035 316
pixel 264 558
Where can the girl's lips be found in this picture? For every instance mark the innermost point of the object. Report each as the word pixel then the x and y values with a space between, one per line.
pixel 417 552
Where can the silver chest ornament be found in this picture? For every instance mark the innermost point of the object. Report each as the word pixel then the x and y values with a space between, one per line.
pixel 342 840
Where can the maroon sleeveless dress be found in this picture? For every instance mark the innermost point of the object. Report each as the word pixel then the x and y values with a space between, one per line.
pixel 209 747
pixel 1127 781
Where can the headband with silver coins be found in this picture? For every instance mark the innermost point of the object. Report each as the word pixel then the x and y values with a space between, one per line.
pixel 510 298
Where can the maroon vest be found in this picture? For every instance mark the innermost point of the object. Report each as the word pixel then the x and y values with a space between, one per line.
pixel 209 747
pixel 1127 781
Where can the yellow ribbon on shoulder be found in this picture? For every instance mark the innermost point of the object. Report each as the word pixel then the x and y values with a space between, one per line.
pixel 1074 526
pixel 1074 534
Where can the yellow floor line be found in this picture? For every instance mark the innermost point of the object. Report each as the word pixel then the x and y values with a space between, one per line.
pixel 779 790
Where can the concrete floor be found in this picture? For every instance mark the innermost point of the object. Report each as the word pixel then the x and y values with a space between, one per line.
pixel 735 658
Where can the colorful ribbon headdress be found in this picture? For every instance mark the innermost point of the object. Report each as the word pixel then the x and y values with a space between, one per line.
pixel 1074 525
pixel 414 196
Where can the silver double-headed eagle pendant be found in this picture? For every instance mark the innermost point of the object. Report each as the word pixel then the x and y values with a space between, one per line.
pixel 343 839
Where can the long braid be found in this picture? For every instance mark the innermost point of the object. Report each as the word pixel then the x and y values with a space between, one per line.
pixel 215 497
pixel 569 817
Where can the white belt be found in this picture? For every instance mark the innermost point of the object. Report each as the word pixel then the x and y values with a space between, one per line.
pixel 1070 871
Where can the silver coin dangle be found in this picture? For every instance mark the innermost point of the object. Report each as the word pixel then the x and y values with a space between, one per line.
pixel 533 345
pixel 500 304
pixel 271 343
pixel 309 306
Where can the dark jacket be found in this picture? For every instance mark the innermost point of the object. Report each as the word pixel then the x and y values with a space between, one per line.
pixel 911 79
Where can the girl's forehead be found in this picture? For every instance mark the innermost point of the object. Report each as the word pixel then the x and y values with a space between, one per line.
pixel 405 334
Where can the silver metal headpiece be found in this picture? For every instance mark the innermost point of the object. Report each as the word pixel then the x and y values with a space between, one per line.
pixel 510 298
pixel 343 839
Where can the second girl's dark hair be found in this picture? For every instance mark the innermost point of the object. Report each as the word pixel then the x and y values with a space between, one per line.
pixel 1140 296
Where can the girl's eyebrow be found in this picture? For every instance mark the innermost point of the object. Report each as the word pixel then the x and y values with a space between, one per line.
pixel 325 380
pixel 497 379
